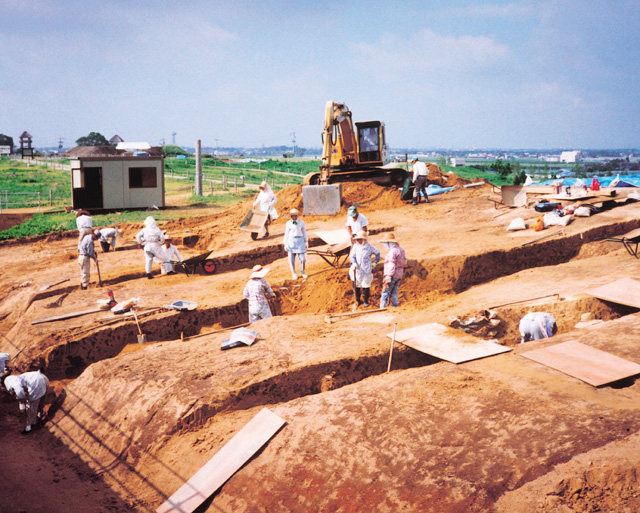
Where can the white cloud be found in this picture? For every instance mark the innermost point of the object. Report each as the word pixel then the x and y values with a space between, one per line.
pixel 428 51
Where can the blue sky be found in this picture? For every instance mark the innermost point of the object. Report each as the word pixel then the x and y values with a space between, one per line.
pixel 440 74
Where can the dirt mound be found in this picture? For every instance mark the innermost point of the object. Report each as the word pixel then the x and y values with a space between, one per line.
pixel 437 177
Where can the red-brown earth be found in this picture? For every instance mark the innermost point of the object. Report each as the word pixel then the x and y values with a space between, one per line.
pixel 129 424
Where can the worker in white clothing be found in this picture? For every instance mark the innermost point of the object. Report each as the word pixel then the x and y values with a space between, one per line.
pixel 107 238
pixel 29 389
pixel 266 199
pixel 170 255
pixel 86 252
pixel 256 291
pixel 420 173
pixel 296 242
pixel 356 222
pixel 151 237
pixel 84 223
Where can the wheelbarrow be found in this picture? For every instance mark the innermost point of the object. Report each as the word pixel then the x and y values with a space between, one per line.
pixel 337 249
pixel 193 264
pixel 254 222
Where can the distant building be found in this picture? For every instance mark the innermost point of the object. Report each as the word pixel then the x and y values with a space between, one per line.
pixel 458 161
pixel 26 148
pixel 6 144
pixel 133 146
pixel 115 182
pixel 570 156
pixel 116 139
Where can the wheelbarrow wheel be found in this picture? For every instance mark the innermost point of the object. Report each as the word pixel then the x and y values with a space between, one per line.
pixel 209 266
pixel 254 235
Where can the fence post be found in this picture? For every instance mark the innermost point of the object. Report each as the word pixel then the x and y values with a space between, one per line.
pixel 6 199
pixel 50 198
pixel 235 184
pixel 38 202
pixel 224 182
pixel 211 185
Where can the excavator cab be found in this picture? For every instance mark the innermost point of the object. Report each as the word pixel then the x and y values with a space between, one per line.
pixel 371 143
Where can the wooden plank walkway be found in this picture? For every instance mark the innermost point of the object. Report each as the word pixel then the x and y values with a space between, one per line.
pixel 585 363
pixel 226 462
pixel 446 343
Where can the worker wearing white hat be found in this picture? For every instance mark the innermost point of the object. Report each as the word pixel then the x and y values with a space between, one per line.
pixel 151 237
pixel 266 199
pixel 256 291
pixel 394 264
pixel 361 254
pixel 29 389
pixel 170 255
pixel 296 242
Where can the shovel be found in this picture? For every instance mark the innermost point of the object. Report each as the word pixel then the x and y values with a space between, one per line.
pixel 98 267
pixel 45 287
pixel 142 338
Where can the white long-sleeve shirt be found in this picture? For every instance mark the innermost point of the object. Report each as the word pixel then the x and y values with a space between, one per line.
pixel 419 169
pixel 171 253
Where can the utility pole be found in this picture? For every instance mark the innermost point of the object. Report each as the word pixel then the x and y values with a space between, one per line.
pixel 294 143
pixel 216 140
pixel 173 134
pixel 198 168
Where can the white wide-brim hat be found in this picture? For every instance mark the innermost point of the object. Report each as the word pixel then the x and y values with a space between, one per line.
pixel 258 271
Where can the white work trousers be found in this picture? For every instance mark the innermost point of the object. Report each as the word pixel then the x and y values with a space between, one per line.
pixel 151 250
pixel 85 269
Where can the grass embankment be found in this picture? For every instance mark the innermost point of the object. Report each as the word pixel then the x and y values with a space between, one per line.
pixel 49 223
pixel 20 183
pixel 471 173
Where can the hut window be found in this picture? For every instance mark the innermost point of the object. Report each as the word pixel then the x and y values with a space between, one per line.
pixel 143 178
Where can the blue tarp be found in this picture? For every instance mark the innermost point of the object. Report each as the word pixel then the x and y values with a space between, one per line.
pixel 433 190
pixel 633 181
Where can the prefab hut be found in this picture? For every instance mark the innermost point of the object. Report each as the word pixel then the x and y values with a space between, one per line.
pixel 117 182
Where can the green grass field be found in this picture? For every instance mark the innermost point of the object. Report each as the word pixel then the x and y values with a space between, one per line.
pixel 21 181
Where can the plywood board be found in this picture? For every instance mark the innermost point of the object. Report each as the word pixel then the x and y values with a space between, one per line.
pixel 335 236
pixel 235 453
pixel 584 362
pixel 514 195
pixel 449 344
pixel 322 200
pixel 625 291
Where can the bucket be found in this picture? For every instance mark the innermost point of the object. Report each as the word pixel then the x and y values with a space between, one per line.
pixel 142 339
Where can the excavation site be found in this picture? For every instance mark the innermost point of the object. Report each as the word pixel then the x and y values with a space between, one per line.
pixel 333 408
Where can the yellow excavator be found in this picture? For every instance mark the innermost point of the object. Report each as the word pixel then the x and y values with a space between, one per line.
pixel 349 155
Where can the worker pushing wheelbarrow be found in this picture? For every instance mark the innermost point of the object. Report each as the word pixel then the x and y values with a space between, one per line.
pixel 260 218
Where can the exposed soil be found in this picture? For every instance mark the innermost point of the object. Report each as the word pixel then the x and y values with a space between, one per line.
pixel 129 424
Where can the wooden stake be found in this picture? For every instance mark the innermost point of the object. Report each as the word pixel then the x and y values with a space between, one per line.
pixel 393 341
pixel 561 232
pixel 525 300
pixel 328 318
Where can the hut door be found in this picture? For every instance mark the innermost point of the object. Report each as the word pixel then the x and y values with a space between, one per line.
pixel 89 194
